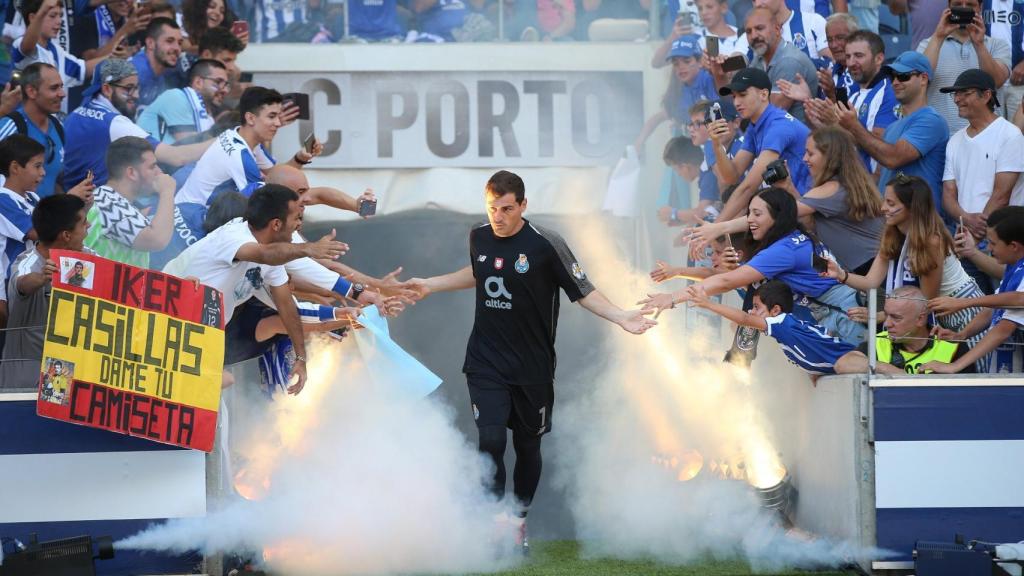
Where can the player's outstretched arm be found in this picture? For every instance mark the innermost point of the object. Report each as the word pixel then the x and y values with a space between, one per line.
pixel 632 321
pixel 459 280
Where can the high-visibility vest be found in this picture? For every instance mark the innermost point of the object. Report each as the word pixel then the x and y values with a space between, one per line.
pixel 939 350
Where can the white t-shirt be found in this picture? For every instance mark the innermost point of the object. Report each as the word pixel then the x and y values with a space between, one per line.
pixel 727 46
pixel 812 40
pixel 314 272
pixel 974 162
pixel 212 260
pixel 227 163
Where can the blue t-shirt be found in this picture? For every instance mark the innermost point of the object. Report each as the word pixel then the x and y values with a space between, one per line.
pixel 703 88
pixel 373 19
pixel 53 144
pixel 444 17
pixel 807 345
pixel 783 134
pixel 790 259
pixel 928 132
pixel 150 85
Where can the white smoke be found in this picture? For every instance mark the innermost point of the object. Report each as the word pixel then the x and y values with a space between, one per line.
pixel 660 456
pixel 363 479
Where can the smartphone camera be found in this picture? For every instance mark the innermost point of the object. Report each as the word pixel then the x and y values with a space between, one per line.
pixel 15 78
pixel 714 113
pixel 843 95
pixel 775 172
pixel 367 207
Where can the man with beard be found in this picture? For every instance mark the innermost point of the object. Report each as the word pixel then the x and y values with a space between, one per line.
pixel 181 114
pixel 238 159
pixel 805 30
pixel 157 63
pixel 874 103
pixel 106 116
pixel 916 143
pixel 117 230
pixel 782 60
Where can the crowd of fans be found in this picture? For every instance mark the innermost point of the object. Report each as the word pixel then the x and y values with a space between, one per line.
pixel 128 129
pixel 824 170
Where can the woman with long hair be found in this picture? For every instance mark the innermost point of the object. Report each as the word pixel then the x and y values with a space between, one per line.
pixel 916 250
pixel 844 204
pixel 198 16
pixel 783 250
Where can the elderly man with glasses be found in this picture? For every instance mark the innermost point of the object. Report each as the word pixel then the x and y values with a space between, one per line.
pixel 182 115
pixel 916 143
pixel 106 115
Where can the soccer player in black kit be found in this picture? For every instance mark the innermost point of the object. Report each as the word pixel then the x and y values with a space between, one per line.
pixel 517 269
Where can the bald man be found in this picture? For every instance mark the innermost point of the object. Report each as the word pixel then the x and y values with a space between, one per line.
pixel 389 286
pixel 906 343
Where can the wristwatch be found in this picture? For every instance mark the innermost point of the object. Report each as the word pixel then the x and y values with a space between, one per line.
pixel 357 291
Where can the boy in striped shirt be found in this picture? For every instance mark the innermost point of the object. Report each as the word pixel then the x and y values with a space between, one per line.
pixel 809 346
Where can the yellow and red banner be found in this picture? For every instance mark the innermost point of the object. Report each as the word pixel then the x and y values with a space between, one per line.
pixel 133 351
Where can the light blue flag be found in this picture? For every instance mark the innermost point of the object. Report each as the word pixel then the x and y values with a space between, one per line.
pixel 388 364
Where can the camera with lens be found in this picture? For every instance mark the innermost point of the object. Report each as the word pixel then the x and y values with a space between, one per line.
pixel 775 172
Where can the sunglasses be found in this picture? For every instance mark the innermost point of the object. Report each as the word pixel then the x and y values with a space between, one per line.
pixel 905 76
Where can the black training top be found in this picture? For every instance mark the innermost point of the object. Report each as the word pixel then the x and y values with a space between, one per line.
pixel 517 282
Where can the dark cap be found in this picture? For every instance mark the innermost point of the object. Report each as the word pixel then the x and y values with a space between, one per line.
pixel 973 78
pixel 747 78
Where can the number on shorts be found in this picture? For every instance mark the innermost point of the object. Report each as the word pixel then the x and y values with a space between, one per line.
pixel 543 416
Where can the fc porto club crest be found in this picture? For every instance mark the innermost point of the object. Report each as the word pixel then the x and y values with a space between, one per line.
pixel 522 264
pixel 800 41
pixel 499 263
pixel 577 271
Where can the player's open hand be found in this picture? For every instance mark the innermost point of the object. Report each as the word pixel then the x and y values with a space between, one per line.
pixel 326 248
pixel 299 376
pixel 636 321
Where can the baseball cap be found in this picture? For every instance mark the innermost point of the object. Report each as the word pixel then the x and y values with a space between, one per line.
pixel 909 61
pixel 973 78
pixel 687 46
pixel 109 71
pixel 747 78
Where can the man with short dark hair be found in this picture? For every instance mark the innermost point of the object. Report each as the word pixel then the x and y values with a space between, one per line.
pixel 105 116
pixel 246 256
pixel 238 158
pixel 60 223
pixel 874 102
pixel 181 113
pixel 915 144
pixel 984 162
pixel 772 134
pixel 42 94
pixel 157 63
pixel 518 269
pixel 118 230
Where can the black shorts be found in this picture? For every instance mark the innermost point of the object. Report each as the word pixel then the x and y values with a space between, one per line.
pixel 524 409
